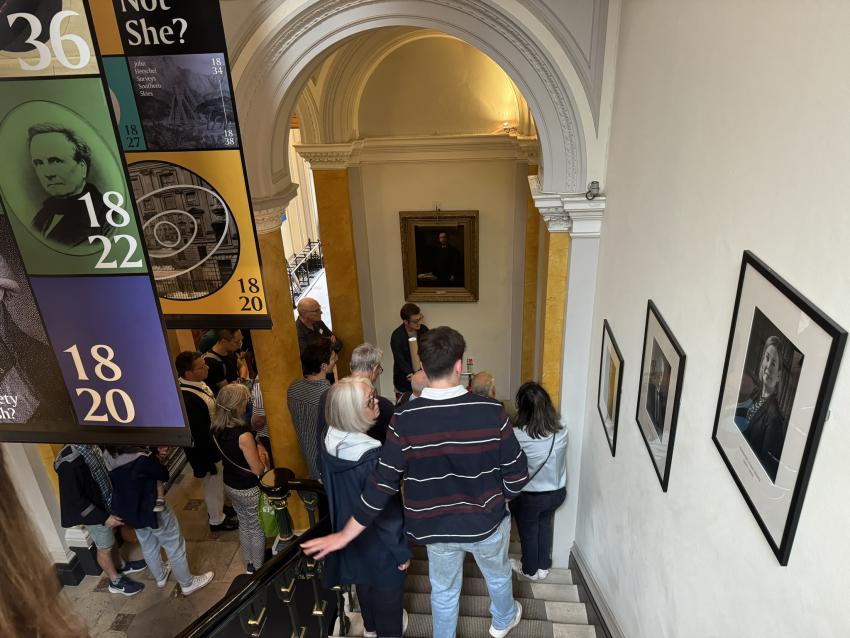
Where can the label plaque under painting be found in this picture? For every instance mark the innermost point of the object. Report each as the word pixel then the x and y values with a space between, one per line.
pixel 83 355
pixel 166 64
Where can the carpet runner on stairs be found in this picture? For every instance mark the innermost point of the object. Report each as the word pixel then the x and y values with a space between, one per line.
pixel 551 608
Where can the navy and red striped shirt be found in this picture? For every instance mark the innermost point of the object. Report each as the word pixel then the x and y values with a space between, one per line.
pixel 460 462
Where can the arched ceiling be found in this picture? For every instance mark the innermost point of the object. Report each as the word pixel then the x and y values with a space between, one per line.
pixel 402 81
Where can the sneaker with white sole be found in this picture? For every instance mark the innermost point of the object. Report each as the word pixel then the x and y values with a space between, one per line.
pixel 370 634
pixel 197 583
pixel 501 633
pixel 517 567
pixel 542 574
pixel 125 586
pixel 161 582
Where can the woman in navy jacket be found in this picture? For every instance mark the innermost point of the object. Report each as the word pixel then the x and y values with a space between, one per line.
pixel 376 561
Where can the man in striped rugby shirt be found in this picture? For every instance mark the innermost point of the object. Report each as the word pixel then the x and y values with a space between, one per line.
pixel 460 463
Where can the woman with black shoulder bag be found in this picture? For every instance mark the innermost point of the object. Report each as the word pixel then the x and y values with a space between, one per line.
pixel 538 429
pixel 243 466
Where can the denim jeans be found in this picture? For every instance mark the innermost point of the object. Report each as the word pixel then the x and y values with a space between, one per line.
pixel 168 537
pixel 445 567
pixel 535 520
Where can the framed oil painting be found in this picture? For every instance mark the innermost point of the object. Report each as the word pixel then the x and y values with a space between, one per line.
pixel 662 370
pixel 780 369
pixel 439 255
pixel 610 385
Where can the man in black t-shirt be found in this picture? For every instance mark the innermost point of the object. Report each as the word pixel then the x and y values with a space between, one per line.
pixel 223 359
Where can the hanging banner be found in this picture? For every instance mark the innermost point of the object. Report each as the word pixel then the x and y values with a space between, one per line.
pixel 166 65
pixel 83 354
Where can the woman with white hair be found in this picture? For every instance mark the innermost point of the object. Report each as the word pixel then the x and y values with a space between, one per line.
pixel 376 561
pixel 234 440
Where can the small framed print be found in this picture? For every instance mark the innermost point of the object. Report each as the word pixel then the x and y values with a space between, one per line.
pixel 780 369
pixel 662 369
pixel 610 385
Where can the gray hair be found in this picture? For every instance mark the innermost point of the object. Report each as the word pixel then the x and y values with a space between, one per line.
pixel 230 405
pixel 344 405
pixel 482 383
pixel 366 357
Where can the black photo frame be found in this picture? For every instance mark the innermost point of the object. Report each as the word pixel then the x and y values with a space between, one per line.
pixel 662 371
pixel 610 385
pixel 781 363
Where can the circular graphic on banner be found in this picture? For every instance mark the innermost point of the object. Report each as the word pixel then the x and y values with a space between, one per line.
pixel 57 169
pixel 189 231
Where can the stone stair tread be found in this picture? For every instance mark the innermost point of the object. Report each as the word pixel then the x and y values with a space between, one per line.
pixel 420 626
pixel 477 606
pixel 419 583
pixel 556 576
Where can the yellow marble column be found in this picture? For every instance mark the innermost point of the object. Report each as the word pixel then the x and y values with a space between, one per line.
pixel 278 361
pixel 530 276
pixel 336 227
pixel 556 250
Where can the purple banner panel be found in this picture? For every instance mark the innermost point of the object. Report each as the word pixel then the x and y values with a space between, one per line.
pixel 107 336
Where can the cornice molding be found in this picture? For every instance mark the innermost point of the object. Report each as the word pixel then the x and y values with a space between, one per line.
pixel 569 213
pixel 453 148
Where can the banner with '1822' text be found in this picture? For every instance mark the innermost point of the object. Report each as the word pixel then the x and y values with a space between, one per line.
pixel 83 354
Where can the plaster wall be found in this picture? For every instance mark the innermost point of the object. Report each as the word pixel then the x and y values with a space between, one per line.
pixel 730 132
pixel 486 186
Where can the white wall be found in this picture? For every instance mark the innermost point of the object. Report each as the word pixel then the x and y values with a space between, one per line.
pixel 730 132
pixel 485 186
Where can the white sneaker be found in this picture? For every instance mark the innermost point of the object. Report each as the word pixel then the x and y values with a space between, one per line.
pixel 197 583
pixel 501 633
pixel 517 567
pixel 370 634
pixel 542 574
pixel 167 569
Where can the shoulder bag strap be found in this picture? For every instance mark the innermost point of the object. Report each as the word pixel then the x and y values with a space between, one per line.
pixel 236 465
pixel 551 447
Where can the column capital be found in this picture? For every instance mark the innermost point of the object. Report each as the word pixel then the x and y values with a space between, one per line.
pixel 326 156
pixel 267 210
pixel 569 213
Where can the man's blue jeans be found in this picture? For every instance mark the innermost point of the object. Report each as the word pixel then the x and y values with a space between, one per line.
pixel 168 537
pixel 445 567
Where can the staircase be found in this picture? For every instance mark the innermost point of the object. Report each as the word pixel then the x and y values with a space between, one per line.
pixel 550 608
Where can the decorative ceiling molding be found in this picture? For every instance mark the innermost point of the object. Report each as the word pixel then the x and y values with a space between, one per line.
pixel 569 213
pixel 281 63
pixel 453 148
pixel 588 64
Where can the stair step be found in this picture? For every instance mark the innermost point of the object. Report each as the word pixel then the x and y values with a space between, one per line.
pixel 420 626
pixel 477 606
pixel 556 576
pixel 420 584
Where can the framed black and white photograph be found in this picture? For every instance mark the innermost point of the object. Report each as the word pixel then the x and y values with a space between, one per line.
pixel 439 255
pixel 781 363
pixel 662 369
pixel 610 385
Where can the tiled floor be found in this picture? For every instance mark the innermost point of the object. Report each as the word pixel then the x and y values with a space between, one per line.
pixel 162 613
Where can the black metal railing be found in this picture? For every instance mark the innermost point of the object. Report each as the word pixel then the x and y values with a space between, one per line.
pixel 303 268
pixel 286 596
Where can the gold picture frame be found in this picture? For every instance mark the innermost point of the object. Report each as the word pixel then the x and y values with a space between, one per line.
pixel 439 255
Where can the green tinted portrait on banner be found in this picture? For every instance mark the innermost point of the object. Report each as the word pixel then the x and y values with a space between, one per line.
pixel 62 180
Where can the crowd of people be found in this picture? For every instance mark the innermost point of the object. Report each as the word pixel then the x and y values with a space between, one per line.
pixel 441 464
